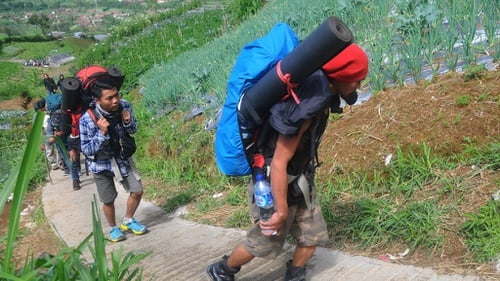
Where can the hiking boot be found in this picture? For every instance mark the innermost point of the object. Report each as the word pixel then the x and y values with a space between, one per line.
pixel 134 226
pixel 295 273
pixel 76 185
pixel 115 234
pixel 219 271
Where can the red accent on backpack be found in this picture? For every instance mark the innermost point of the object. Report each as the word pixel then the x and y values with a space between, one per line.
pixel 90 73
pixel 75 122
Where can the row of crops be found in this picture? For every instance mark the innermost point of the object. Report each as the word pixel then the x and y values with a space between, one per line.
pixel 407 40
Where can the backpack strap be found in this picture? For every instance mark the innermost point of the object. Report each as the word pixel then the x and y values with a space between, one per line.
pixel 319 126
pixel 92 115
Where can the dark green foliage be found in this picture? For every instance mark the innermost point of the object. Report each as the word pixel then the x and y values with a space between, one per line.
pixel 371 222
pixel 40 20
pixel 240 10
pixel 13 141
pixel 136 46
pixel 482 231
pixel 474 72
pixel 486 155
pixel 177 201
pixel 415 15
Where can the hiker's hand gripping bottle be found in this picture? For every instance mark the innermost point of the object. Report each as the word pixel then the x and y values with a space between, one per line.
pixel 264 199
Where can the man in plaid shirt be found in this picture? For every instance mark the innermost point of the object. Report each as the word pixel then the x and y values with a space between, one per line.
pixel 99 127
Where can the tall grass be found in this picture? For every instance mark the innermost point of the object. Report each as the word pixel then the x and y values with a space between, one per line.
pixel 412 170
pixel 490 11
pixel 482 231
pixel 375 222
pixel 18 185
pixel 13 81
pixel 404 205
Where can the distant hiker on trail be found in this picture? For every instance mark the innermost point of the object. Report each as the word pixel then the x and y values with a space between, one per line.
pixel 101 130
pixel 53 150
pixel 61 78
pixel 50 84
pixel 53 110
pixel 71 160
pixel 56 129
pixel 49 145
pixel 74 150
pixel 294 130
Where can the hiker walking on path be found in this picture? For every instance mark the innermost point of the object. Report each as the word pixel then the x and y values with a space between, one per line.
pixel 74 147
pixel 61 78
pixel 49 83
pixel 49 146
pixel 108 117
pixel 289 153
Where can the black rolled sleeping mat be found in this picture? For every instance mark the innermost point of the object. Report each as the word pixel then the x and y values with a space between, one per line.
pixel 324 43
pixel 71 93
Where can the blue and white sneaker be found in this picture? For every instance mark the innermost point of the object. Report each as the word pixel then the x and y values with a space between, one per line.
pixel 134 226
pixel 116 234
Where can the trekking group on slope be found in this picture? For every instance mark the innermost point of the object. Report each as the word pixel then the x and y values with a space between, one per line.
pixel 278 140
pixel 60 151
pixel 91 118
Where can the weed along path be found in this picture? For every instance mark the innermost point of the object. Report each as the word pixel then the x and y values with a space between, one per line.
pixel 181 250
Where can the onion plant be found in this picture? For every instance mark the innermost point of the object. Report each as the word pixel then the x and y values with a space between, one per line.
pixel 466 23
pixel 412 47
pixel 491 10
pixel 433 42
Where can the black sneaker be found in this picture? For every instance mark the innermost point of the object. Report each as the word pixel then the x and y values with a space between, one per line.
pixel 295 273
pixel 219 271
pixel 76 185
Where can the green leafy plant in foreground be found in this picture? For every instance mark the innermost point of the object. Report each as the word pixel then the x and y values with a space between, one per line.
pixel 488 156
pixel 371 222
pixel 412 170
pixel 69 263
pixel 482 231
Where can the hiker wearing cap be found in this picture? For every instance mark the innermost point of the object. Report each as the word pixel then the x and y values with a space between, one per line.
pixel 293 134
pixel 108 117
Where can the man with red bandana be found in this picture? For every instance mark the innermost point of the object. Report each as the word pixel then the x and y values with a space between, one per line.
pixel 294 131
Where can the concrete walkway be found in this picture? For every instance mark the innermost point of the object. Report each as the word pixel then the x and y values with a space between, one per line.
pixel 181 250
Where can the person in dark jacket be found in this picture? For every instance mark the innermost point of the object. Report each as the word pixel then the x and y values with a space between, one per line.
pixel 49 83
pixel 61 78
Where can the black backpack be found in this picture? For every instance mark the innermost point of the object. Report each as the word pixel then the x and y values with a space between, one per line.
pixel 57 119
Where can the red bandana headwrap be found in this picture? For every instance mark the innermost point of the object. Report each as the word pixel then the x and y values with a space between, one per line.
pixel 350 65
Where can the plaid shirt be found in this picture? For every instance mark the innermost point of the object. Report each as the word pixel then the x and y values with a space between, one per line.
pixel 93 141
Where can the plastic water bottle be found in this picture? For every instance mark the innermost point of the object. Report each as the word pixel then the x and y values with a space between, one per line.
pixel 264 199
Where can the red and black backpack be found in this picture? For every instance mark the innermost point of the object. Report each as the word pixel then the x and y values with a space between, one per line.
pixel 76 96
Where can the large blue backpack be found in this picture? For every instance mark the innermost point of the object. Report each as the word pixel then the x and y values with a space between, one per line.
pixel 254 61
